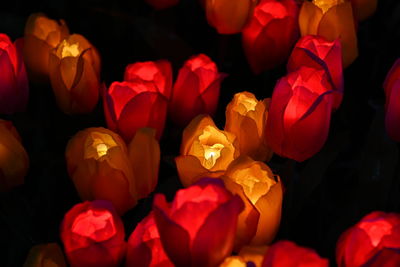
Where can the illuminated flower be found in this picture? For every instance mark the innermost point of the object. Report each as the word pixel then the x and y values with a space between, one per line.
pixel 190 227
pixel 45 255
pixel 331 19
pixel 234 261
pixel 392 106
pixel 14 89
pixel 205 151
pixel 246 118
pixel 14 161
pixel 74 69
pixel 254 254
pixel 41 35
pixel 364 8
pixel 144 153
pixel 368 238
pixel 261 192
pixel 162 4
pixel 144 246
pixel 228 16
pixel 386 257
pixel 287 253
pixel 272 27
pixel 299 114
pixel 98 164
pixel 196 90
pixel 93 235
pixel 318 53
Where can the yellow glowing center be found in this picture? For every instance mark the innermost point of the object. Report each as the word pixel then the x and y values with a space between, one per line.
pixel 249 103
pixel 101 149
pixel 325 5
pixel 98 145
pixel 211 154
pixel 68 50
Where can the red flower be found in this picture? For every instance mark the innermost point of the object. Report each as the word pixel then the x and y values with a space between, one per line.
pixel 161 4
pixel 288 254
pixel 141 100
pixel 392 91
pixel 196 89
pixel 299 114
pixel 93 235
pixel 270 33
pixel 144 246
pixel 198 227
pixel 316 52
pixel 369 240
pixel 14 89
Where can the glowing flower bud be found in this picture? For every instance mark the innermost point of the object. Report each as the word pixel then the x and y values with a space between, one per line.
pixel 287 253
pixel 14 161
pixel 45 255
pixel 144 246
pixel 364 8
pixel 246 118
pixel 98 164
pixel 74 69
pixel 41 35
pixel 196 90
pixel 261 192
pixel 392 105
pixel 205 151
pixel 233 261
pixel 14 89
pixel 367 239
pixel 190 227
pixel 93 235
pixel 272 27
pixel 162 4
pixel 331 19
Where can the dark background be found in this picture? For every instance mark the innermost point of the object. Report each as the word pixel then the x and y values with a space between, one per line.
pixel 356 172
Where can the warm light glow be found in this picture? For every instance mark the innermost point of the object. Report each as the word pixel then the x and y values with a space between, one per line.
pixel 233 261
pixel 98 145
pixel 211 154
pixel 248 103
pixel 376 230
pixel 66 49
pixel 101 149
pixel 325 5
pixel 212 149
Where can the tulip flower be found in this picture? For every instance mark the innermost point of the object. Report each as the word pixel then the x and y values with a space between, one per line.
pixel 196 90
pixel 14 89
pixel 144 246
pixel 299 114
pixel 318 53
pixel 198 227
pixel 233 261
pixel 93 235
pixel 364 8
pixel 74 69
pixel 287 253
pixel 45 255
pixel 392 106
pixel 331 20
pixel 205 151
pixel 162 4
pixel 385 258
pixel 270 34
pixel 246 118
pixel 14 161
pixel 41 35
pixel 227 16
pixel 261 193
pixel 254 254
pixel 365 241
pixel 98 164
pixel 144 153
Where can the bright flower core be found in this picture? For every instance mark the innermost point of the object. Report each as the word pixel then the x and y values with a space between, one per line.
pixel 98 144
pixel 325 5
pixel 66 49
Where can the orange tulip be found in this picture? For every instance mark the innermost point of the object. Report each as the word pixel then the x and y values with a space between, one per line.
pixel 41 35
pixel 14 161
pixel 364 8
pixel 246 118
pixel 261 192
pixel 98 164
pixel 331 19
pixel 205 151
pixel 233 261
pixel 74 69
pixel 45 255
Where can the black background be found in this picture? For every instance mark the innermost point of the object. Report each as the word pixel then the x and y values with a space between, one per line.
pixel 356 172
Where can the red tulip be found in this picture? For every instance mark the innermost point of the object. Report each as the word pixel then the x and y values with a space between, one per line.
pixel 196 89
pixel 385 258
pixel 198 227
pixel 270 33
pixel 392 91
pixel 144 246
pixel 365 241
pixel 93 235
pixel 288 254
pixel 14 89
pixel 299 114
pixel 316 52
pixel 162 4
